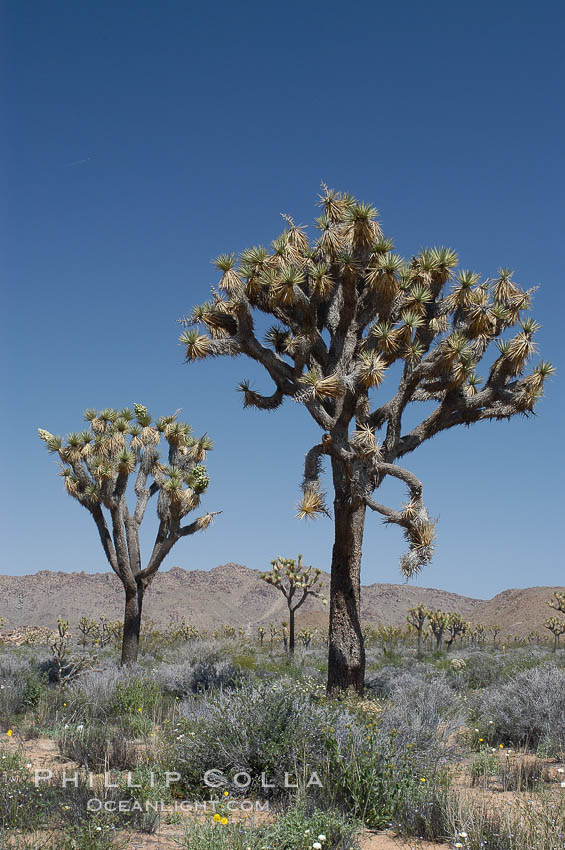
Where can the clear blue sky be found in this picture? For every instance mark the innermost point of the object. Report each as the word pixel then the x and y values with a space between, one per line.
pixel 141 139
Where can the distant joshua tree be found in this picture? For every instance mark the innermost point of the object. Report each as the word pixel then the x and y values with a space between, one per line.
pixel 557 628
pixel 456 626
pixel 352 315
pixel 416 619
pixel 98 465
pixel 495 631
pixel 557 602
pixel 296 582
pixel 554 624
pixel 438 624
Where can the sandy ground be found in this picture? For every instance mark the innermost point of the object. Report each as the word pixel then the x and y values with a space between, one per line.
pixel 43 753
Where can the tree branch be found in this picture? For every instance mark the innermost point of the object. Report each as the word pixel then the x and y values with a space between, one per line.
pixel 201 524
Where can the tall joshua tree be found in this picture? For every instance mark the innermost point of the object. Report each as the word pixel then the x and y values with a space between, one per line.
pixel 351 314
pixel 98 464
pixel 296 582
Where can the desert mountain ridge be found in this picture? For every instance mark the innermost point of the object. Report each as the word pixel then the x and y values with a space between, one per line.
pixel 233 594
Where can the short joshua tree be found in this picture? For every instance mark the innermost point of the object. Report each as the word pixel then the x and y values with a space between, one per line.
pixel 99 464
pixel 455 627
pixel 416 619
pixel 554 624
pixel 495 631
pixel 351 315
pixel 438 624
pixel 557 628
pixel 296 582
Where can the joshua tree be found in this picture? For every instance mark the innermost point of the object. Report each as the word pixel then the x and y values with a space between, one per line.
pixel 296 582
pixel 558 602
pixel 351 315
pixel 554 624
pixel 416 619
pixel 438 624
pixel 456 626
pixel 557 628
pixel 66 667
pixel 495 631
pixel 389 637
pixel 98 465
pixel 481 633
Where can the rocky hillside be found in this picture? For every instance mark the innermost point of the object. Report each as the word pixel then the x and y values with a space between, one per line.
pixel 234 594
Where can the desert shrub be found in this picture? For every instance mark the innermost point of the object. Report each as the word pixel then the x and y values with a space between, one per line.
pixel 527 710
pixel 34 689
pixel 16 675
pixel 26 807
pixel 244 661
pixel 97 747
pixel 383 681
pixel 13 664
pixel 423 716
pixel 185 678
pixel 435 812
pixel 92 694
pixel 269 729
pixel 476 823
pixel 364 773
pixel 481 668
pixel 521 772
pixel 90 835
pixel 135 696
pixel 208 650
pixel 474 670
pixel 11 699
pixel 294 830
pixel 483 766
pixel 145 785
pixel 422 810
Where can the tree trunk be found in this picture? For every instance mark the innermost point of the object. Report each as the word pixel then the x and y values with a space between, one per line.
pixel 291 632
pixel 346 657
pixel 132 625
pixel 419 649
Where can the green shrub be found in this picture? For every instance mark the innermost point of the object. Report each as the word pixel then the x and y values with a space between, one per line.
pixel 484 765
pixel 135 696
pixel 365 774
pixel 294 830
pixel 422 810
pixel 34 690
pixel 94 834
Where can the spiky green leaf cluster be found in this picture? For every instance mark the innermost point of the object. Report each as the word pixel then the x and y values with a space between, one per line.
pixel 96 464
